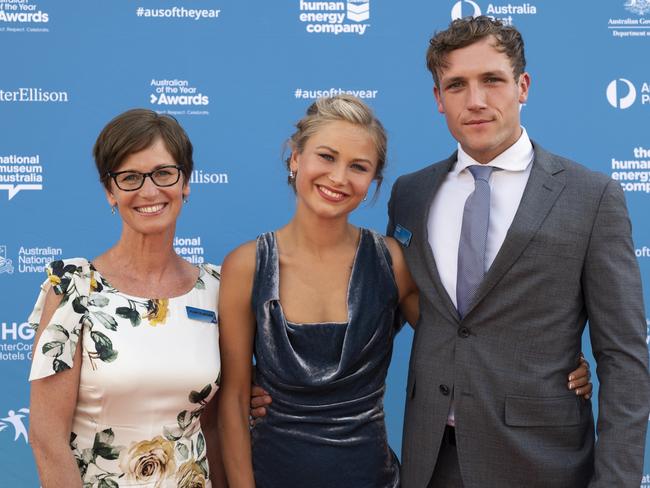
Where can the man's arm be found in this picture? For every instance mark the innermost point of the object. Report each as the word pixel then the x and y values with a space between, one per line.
pixel 614 301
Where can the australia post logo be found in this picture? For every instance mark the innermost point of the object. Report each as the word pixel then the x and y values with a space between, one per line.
pixel 503 12
pixel 622 93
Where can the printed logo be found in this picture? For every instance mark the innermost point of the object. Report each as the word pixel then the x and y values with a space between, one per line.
pixel 14 14
pixel 471 9
pixel 30 259
pixel 199 177
pixel 627 27
pixel 642 252
pixel 330 92
pixel 645 481
pixel 335 17
pixel 621 101
pixel 19 173
pixel 358 10
pixel 179 97
pixel 16 341
pixel 177 13
pixel 34 95
pixel 190 248
pixel 639 7
pixel 15 420
pixel 634 176
pixel 6 266
pixel 501 12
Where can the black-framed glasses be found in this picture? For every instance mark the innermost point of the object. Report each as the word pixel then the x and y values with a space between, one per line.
pixel 133 180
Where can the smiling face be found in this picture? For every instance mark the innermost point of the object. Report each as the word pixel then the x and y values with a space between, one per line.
pixel 335 169
pixel 481 99
pixel 151 209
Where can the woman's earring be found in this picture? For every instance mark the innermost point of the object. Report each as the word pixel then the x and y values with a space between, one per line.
pixel 292 177
pixel 113 208
pixel 185 199
pixel 365 197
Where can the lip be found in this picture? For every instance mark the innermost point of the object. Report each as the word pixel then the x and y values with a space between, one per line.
pixel 477 122
pixel 151 209
pixel 331 198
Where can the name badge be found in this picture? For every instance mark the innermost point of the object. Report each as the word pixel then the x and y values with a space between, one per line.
pixel 201 315
pixel 402 235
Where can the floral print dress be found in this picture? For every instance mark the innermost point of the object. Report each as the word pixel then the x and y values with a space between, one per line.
pixel 148 369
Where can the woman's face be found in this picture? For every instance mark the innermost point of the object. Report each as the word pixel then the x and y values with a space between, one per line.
pixel 150 209
pixel 335 169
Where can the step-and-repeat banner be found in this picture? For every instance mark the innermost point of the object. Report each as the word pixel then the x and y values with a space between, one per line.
pixel 237 75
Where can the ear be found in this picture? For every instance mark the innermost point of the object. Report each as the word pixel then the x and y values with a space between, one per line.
pixel 523 85
pixel 293 161
pixel 109 196
pixel 186 188
pixel 437 94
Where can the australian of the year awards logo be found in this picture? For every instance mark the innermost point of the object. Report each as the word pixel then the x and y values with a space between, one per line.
pixel 633 25
pixel 504 12
pixel 335 18
pixel 20 172
pixel 622 93
pixel 22 16
pixel 177 97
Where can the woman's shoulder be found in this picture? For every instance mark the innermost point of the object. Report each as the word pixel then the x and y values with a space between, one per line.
pixel 242 259
pixel 61 272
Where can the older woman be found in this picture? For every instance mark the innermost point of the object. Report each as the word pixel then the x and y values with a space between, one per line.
pixel 126 356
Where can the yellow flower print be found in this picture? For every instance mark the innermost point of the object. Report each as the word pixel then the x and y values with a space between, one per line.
pixel 54 279
pixel 149 461
pixel 190 475
pixel 158 308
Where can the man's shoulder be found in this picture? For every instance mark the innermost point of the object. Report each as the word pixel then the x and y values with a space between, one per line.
pixel 573 171
pixel 417 176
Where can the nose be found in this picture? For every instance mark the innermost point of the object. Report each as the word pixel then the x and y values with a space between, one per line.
pixel 148 187
pixel 338 174
pixel 475 97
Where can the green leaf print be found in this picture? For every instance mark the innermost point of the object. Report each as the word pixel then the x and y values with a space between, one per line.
pixel 199 397
pixel 103 346
pixel 200 284
pixel 203 464
pixel 182 451
pixel 129 313
pixel 97 300
pixel 184 419
pixel 53 349
pixel 172 433
pixel 107 483
pixel 60 329
pixel 78 306
pixel 200 445
pixel 105 436
pixel 106 320
pixel 59 366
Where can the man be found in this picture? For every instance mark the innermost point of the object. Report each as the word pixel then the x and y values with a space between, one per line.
pixel 514 249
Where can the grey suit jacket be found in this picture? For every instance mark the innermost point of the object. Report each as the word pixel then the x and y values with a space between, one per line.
pixel 567 259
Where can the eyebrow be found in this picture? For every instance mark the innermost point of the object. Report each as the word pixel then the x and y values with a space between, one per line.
pixel 157 167
pixel 499 73
pixel 323 146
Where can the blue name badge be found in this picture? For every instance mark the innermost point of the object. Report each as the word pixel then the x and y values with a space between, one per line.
pixel 201 315
pixel 402 235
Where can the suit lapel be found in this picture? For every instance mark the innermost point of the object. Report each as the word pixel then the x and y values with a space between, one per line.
pixel 542 190
pixel 428 192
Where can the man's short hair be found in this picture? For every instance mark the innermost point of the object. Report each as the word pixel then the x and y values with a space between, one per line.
pixel 464 32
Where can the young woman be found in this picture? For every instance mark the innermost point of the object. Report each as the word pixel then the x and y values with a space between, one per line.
pixel 316 302
pixel 127 356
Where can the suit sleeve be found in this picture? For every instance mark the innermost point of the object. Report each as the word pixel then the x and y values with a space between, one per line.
pixel 617 326
pixel 390 228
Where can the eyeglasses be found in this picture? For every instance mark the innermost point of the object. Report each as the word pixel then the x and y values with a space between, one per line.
pixel 133 180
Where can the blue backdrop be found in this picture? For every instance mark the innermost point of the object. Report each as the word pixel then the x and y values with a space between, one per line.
pixel 237 75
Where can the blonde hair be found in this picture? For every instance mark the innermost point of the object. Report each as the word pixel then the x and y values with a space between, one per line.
pixel 346 108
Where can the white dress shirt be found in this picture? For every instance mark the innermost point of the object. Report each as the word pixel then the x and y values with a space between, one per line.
pixel 446 213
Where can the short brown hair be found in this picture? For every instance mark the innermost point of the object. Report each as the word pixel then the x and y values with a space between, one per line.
pixel 464 32
pixel 136 130
pixel 346 108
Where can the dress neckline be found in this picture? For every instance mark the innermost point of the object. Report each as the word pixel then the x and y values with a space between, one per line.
pixel 276 265
pixel 107 283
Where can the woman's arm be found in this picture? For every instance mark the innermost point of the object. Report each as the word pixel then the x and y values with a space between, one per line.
pixel 409 303
pixel 52 404
pixel 236 329
pixel 209 419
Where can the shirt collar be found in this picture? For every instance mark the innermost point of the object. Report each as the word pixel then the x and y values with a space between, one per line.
pixel 516 158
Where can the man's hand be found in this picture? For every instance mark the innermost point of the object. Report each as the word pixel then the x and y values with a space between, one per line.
pixel 260 399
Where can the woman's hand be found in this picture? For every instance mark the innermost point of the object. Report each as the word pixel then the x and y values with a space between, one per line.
pixel 579 379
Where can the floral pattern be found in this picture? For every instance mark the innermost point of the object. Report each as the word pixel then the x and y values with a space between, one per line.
pixel 108 454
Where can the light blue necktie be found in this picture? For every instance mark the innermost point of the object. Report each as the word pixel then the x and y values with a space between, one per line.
pixel 473 239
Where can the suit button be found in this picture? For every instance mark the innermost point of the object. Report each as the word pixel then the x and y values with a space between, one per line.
pixel 444 389
pixel 464 332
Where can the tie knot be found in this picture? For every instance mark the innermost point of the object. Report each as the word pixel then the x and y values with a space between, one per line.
pixel 481 172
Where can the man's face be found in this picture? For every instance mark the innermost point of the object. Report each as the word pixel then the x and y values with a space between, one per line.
pixel 480 99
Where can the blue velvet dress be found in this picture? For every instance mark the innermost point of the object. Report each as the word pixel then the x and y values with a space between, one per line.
pixel 325 427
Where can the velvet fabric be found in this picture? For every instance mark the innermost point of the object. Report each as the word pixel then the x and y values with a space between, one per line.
pixel 325 427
